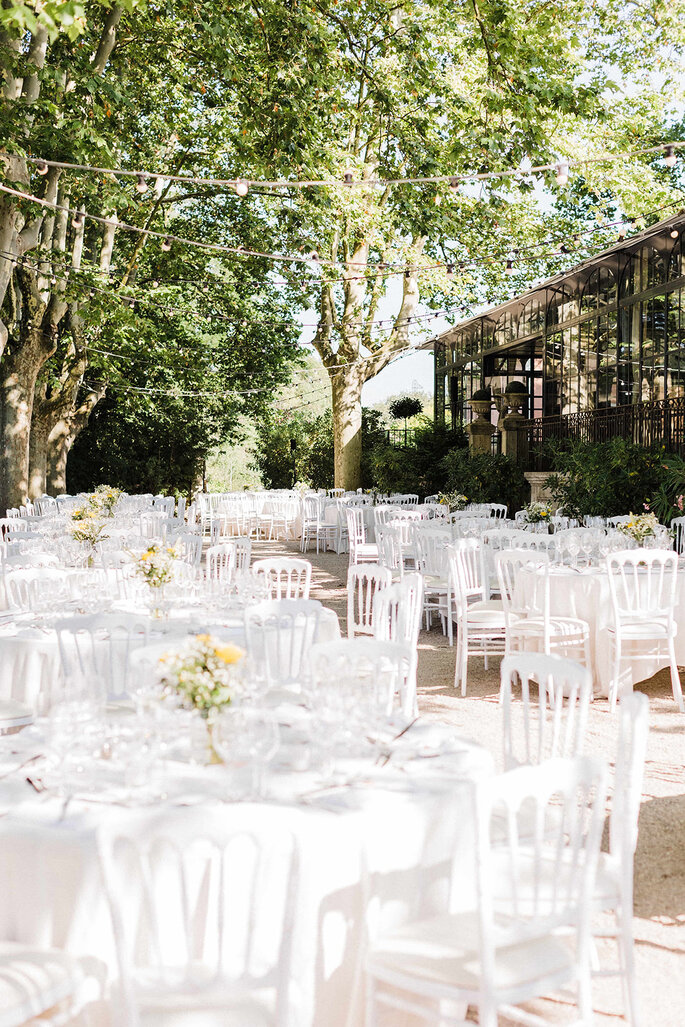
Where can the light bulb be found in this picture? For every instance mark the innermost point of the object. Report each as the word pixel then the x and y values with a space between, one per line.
pixel 166 244
pixel 450 270
pixel 509 269
pixel 77 219
pixel 241 187
pixel 562 173
pixel 622 231
pixel 670 156
pixel 437 199
pixel 141 183
pixel 348 176
pixel 674 233
pixel 454 183
pixel 41 167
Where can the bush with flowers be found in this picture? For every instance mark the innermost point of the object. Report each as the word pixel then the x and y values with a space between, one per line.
pixel 202 673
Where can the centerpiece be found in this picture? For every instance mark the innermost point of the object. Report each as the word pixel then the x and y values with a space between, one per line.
pixel 156 568
pixel 104 500
pixel 87 529
pixel 203 674
pixel 453 500
pixel 538 513
pixel 639 527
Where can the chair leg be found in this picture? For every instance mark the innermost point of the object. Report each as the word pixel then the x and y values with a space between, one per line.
pixel 675 676
pixel 616 675
pixel 624 938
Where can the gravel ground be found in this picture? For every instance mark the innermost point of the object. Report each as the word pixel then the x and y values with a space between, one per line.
pixel 659 922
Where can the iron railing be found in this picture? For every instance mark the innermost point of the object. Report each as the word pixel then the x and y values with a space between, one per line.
pixel 661 423
pixel 403 438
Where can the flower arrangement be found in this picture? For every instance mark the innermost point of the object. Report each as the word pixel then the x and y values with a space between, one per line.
pixel 105 499
pixel 302 487
pixel 639 527
pixel 86 527
pixel 201 673
pixel 453 500
pixel 156 565
pixel 537 513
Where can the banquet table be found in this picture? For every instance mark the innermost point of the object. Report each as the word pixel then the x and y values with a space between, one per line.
pixel 396 836
pixel 584 593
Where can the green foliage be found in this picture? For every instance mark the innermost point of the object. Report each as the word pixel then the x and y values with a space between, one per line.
pixel 280 466
pixel 604 478
pixel 404 408
pixel 487 478
pixel 419 468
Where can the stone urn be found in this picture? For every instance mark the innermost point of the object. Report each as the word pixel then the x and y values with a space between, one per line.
pixel 515 394
pixel 481 403
pixel 481 429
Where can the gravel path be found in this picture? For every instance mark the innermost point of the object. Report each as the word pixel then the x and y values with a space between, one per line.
pixel 660 858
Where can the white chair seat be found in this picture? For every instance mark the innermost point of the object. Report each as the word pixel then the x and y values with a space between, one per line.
pixel 491 618
pixel 487 604
pixel 14 714
pixel 214 1006
pixel 34 980
pixel 367 551
pixel 443 951
pixel 559 626
pixel 646 629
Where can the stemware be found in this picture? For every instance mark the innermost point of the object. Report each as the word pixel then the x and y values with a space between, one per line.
pixel 246 739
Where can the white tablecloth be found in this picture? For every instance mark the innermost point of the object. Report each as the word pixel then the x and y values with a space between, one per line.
pixel 585 594
pixel 409 840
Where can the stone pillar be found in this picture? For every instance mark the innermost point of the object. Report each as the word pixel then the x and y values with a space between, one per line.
pixel 514 426
pixel 481 428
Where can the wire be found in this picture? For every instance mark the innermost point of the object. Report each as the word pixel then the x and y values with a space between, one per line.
pixel 348 180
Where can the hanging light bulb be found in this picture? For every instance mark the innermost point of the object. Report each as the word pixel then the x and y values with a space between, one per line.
pixel 77 219
pixel 562 173
pixel 348 176
pixel 670 156
pixel 166 244
pixel 41 167
pixel 509 269
pixel 450 270
pixel 674 233
pixel 241 187
pixel 622 231
pixel 141 183
pixel 437 199
pixel 454 183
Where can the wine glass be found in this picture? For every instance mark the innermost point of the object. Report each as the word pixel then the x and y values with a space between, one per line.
pixel 247 738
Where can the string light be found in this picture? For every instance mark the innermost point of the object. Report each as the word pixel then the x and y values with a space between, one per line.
pixel 622 231
pixel 509 268
pixel 674 233
pixel 348 177
pixel 141 183
pixel 166 244
pixel 77 220
pixel 42 167
pixel 454 183
pixel 241 187
pixel 669 155
pixel 450 270
pixel 562 173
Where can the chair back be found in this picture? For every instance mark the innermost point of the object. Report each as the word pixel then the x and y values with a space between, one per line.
pixel 363 582
pixel 221 564
pixel 202 906
pixel 280 633
pixel 430 547
pixel 384 513
pixel 94 650
pixel 642 583
pixel 285 577
pixel 397 611
pixel 533 882
pixel 550 719
pixel 373 671
pixel 356 528
pixel 390 555
pixel 30 588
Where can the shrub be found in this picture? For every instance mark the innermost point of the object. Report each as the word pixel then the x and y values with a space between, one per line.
pixel 605 478
pixel 416 468
pixel 486 478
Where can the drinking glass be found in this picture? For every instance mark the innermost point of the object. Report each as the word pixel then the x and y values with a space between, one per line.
pixel 246 738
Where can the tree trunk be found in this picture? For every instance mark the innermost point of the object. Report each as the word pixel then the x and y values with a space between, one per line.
pixel 347 426
pixel 59 443
pixel 38 446
pixel 18 374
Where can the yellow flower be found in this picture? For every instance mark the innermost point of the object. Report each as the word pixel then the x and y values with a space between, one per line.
pixel 229 653
pixel 205 639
